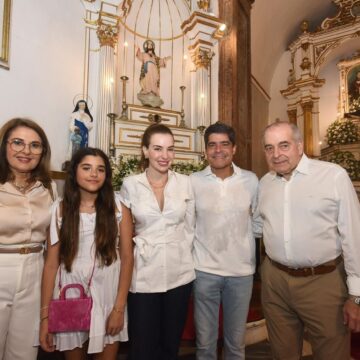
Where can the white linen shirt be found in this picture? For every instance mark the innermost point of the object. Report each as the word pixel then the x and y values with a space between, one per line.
pixel 163 239
pixel 312 218
pixel 224 242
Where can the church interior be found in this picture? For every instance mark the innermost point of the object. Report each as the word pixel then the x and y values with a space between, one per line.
pixel 243 62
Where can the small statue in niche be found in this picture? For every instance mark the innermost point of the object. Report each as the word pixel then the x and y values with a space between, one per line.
pixel 150 74
pixel 291 77
pixel 81 122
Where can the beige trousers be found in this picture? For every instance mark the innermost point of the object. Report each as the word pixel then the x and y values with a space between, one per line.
pixel 292 304
pixel 20 279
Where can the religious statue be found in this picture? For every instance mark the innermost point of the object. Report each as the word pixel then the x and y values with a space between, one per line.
pixel 81 122
pixel 150 74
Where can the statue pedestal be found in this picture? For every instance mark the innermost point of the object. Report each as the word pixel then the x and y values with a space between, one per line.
pixel 150 100
pixel 128 133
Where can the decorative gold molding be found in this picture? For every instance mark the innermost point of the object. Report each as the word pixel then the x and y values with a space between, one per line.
pixel 201 57
pixel 344 16
pixel 5 40
pixel 305 64
pixel 204 5
pixel 107 33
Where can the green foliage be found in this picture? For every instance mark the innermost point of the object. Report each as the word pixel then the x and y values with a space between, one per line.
pixel 347 160
pixel 342 132
pixel 131 165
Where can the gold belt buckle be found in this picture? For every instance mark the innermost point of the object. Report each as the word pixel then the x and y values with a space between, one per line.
pixel 25 250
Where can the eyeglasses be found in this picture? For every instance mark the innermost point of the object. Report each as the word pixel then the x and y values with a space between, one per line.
pixel 35 147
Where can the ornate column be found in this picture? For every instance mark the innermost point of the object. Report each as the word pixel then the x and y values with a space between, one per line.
pixel 203 30
pixel 107 32
pixel 235 75
pixel 308 128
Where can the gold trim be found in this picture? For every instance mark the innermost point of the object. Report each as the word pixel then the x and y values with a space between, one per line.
pixel 147 37
pixel 5 41
pixel 199 14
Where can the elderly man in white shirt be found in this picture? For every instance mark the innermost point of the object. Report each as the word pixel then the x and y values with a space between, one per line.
pixel 224 246
pixel 311 233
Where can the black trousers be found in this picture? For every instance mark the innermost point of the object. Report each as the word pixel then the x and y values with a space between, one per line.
pixel 156 323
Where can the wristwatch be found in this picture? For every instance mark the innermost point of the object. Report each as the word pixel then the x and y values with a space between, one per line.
pixel 355 299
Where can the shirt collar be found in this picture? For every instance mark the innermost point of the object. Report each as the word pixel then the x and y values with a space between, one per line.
pixel 8 187
pixel 207 171
pixel 143 179
pixel 303 167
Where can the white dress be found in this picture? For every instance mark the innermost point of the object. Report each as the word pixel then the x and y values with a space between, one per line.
pixel 103 289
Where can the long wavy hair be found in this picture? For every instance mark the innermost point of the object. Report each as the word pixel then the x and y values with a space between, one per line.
pixel 145 140
pixel 42 171
pixel 106 230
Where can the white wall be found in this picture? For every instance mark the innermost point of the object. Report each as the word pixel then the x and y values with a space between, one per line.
pixel 278 104
pixel 329 98
pixel 46 67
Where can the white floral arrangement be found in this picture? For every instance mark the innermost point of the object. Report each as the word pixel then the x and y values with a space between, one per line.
pixel 347 160
pixel 131 165
pixel 342 132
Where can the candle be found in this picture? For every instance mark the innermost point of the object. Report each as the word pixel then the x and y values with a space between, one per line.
pixel 125 57
pixel 183 68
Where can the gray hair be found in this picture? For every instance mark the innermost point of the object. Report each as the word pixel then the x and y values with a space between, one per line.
pixel 294 129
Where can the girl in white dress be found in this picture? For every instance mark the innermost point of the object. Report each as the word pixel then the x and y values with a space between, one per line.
pixel 85 226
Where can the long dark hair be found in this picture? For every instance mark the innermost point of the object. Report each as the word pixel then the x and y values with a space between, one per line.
pixel 86 108
pixel 42 170
pixel 106 231
pixel 145 140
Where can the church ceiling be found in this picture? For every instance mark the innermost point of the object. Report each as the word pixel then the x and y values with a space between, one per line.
pixel 275 24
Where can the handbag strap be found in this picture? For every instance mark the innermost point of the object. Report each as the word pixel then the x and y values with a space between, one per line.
pixel 93 268
pixel 89 282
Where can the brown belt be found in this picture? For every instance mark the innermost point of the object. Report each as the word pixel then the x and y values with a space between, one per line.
pixel 21 250
pixel 325 268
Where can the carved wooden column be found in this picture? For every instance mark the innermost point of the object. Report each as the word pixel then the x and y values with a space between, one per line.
pixel 235 75
pixel 308 128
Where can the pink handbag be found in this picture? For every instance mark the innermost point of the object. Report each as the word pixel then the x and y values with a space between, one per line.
pixel 72 314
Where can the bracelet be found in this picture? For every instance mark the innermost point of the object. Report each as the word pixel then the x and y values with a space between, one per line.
pixel 44 318
pixel 44 308
pixel 117 310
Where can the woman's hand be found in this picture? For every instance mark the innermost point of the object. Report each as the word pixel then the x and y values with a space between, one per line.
pixel 46 339
pixel 115 322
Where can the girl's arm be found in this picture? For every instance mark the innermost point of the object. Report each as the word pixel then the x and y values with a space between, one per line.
pixel 47 288
pixel 115 322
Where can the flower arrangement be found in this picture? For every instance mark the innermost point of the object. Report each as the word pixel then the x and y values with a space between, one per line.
pixel 131 165
pixel 341 132
pixel 347 160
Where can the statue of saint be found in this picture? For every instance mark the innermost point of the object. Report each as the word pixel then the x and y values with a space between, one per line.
pixel 81 122
pixel 150 74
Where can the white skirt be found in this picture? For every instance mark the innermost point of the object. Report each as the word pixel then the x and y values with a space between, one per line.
pixel 103 290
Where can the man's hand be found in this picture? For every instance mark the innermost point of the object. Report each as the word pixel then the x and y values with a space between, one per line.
pixel 352 315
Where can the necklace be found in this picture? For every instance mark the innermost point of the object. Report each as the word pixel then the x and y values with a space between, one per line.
pixel 21 188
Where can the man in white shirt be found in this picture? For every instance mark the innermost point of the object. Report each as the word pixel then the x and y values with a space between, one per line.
pixel 311 233
pixel 224 246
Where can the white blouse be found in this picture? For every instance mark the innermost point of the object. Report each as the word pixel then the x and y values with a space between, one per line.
pixel 164 238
